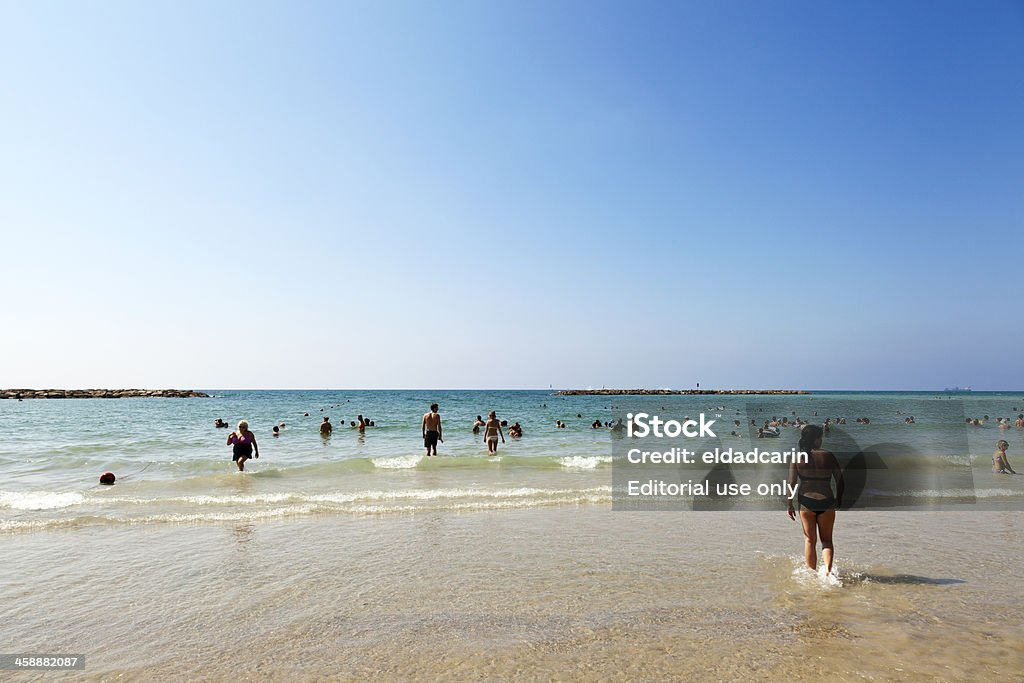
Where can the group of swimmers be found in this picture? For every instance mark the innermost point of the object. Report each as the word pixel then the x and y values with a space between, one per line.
pixel 359 424
pixel 1003 422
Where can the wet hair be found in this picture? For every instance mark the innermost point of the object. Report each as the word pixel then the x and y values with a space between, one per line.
pixel 1001 444
pixel 809 435
pixel 433 406
pixel 276 429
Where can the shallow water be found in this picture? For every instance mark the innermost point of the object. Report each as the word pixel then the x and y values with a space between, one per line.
pixel 355 556
pixel 173 466
pixel 563 593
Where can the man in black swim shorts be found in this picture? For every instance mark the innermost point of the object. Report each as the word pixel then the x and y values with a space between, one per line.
pixel 432 430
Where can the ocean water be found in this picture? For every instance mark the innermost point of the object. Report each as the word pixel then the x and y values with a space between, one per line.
pixel 173 466
pixel 354 557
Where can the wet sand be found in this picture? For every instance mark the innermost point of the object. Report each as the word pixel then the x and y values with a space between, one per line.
pixel 577 593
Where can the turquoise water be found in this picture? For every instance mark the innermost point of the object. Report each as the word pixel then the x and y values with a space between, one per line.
pixel 173 465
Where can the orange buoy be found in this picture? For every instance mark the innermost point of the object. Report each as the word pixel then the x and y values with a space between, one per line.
pixel 107 478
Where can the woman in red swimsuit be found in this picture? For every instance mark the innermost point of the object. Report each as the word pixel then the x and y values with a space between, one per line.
pixel 818 504
pixel 243 442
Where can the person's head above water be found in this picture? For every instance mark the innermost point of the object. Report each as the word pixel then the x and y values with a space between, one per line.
pixel 327 419
pixel 433 407
pixel 1002 445
pixel 492 414
pixel 810 438
pixel 243 426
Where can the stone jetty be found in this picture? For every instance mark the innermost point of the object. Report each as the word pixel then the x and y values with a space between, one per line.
pixel 679 392
pixel 100 393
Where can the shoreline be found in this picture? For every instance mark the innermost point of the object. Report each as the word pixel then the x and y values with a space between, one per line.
pixel 19 394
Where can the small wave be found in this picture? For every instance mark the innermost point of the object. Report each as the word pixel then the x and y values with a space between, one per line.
pixel 39 500
pixel 365 502
pixel 356 496
pixel 584 462
pixel 397 462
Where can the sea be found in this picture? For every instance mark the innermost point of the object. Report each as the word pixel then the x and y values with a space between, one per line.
pixel 354 556
pixel 173 466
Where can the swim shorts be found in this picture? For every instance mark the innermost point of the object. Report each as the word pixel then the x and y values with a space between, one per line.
pixel 430 439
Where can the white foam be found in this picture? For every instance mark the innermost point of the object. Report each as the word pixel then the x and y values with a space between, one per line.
pixel 39 500
pixel 584 462
pixel 340 498
pixel 397 462
pixel 817 577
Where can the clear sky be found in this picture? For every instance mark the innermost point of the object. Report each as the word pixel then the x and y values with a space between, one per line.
pixel 512 194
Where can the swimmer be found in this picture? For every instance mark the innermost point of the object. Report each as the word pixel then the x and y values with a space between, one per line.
pixel 276 430
pixel 431 428
pixel 362 424
pixel 492 430
pixel 243 443
pixel 478 424
pixel 818 505
pixel 1000 464
pixel 326 427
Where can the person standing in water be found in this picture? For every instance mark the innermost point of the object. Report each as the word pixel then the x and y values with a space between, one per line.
pixel 492 430
pixel 243 444
pixel 326 427
pixel 432 429
pixel 818 504
pixel 1000 465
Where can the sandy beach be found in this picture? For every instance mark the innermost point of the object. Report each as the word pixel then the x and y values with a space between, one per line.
pixel 579 593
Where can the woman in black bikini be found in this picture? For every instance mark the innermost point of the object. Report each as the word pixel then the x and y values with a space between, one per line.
pixel 818 505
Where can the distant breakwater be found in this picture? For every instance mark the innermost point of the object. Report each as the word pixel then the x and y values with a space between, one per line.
pixel 678 392
pixel 100 393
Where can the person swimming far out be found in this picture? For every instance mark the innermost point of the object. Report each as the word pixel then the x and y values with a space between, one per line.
pixel 818 504
pixel 1000 463
pixel 243 443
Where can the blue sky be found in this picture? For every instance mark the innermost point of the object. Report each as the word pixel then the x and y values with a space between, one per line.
pixel 484 194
